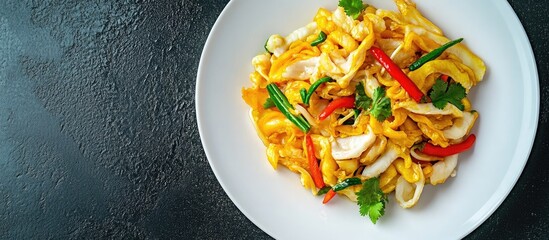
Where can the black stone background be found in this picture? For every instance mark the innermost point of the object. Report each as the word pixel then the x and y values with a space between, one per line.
pixel 98 134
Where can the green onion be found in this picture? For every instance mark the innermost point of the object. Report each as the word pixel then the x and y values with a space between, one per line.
pixel 433 54
pixel 320 39
pixel 282 103
pixel 323 190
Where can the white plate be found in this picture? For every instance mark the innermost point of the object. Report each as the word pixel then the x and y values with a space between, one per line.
pixel 508 102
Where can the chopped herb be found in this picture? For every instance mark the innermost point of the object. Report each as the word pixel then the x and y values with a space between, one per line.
pixel 357 113
pixel 381 107
pixel 443 93
pixel 352 8
pixel 361 99
pixel 371 200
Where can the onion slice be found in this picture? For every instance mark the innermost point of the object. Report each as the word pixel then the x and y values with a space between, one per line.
pixel 407 194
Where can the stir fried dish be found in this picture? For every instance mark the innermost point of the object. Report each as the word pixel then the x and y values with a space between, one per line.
pixel 363 102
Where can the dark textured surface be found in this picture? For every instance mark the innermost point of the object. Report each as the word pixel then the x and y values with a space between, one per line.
pixel 99 137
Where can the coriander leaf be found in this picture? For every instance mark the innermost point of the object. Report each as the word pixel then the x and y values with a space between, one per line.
pixel 352 8
pixel 458 93
pixel 376 211
pixel 357 112
pixel 442 93
pixel 361 99
pixel 371 200
pixel 437 92
pixel 381 107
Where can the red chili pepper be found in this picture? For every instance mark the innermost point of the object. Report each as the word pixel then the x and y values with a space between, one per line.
pixel 444 77
pixel 433 150
pixel 329 195
pixel 397 74
pixel 344 102
pixel 313 163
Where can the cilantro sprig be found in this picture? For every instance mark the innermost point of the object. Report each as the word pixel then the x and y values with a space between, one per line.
pixel 443 93
pixel 352 8
pixel 361 99
pixel 371 200
pixel 379 106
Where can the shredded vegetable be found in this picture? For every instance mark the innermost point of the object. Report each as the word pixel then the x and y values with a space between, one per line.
pixel 364 102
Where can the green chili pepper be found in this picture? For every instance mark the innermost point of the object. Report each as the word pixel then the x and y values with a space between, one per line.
pixel 433 54
pixel 282 103
pixel 279 95
pixel 313 88
pixel 320 39
pixel 323 190
pixel 347 183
